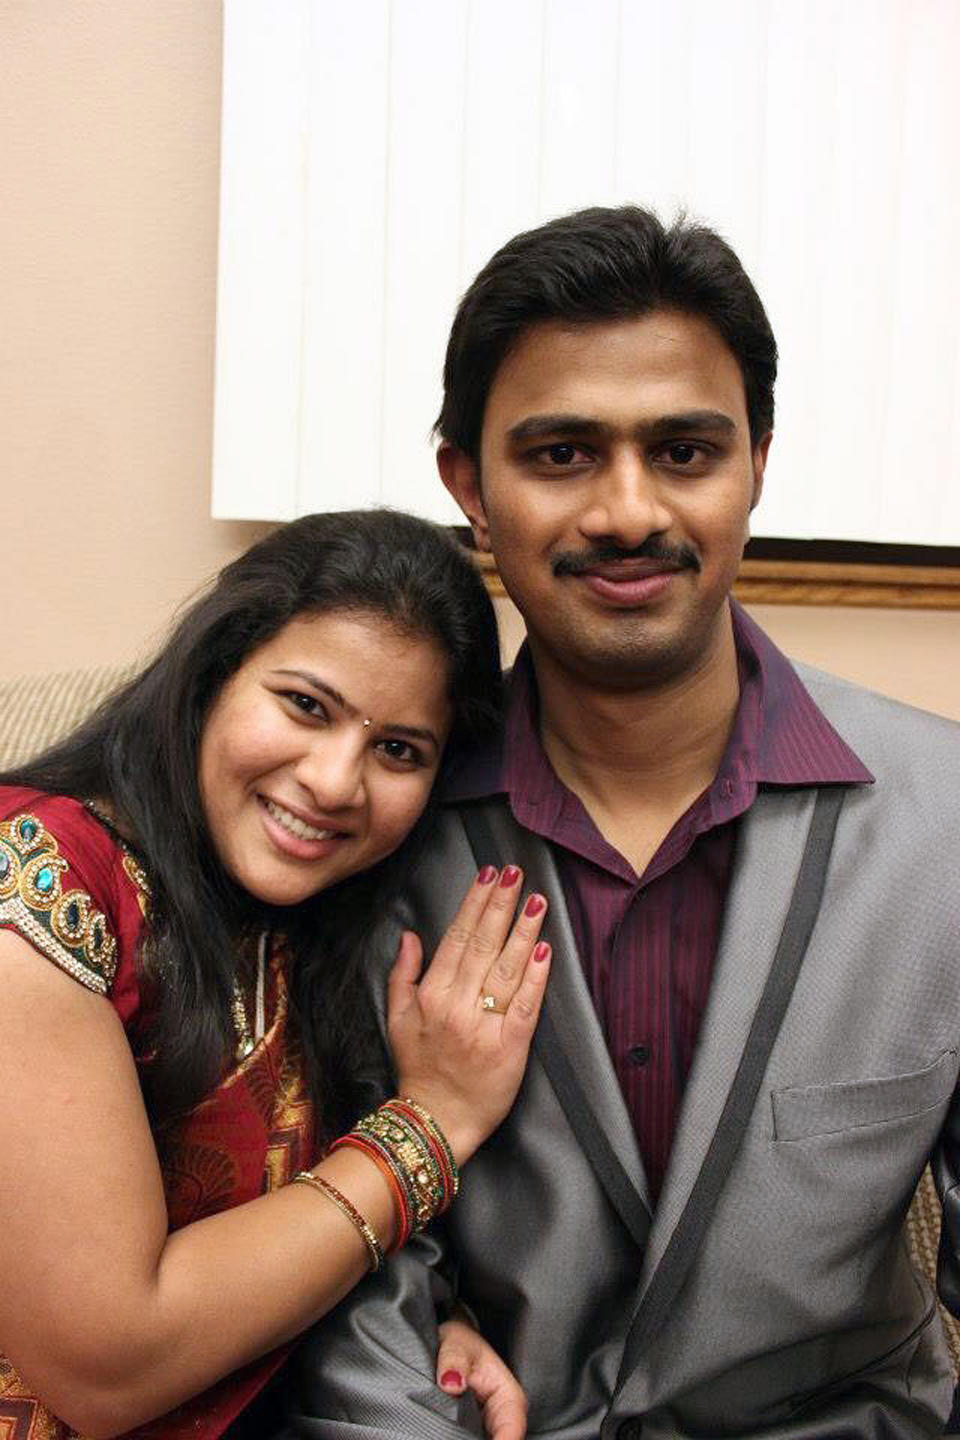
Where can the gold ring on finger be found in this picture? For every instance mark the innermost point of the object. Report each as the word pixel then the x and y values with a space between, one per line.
pixel 491 1004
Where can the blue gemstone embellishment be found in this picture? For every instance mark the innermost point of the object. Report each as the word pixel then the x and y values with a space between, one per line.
pixel 73 915
pixel 45 880
pixel 28 830
pixel 4 866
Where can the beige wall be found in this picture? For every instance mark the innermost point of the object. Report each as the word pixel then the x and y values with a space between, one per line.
pixel 109 113
pixel 109 117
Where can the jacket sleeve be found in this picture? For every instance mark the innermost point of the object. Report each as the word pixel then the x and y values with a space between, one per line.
pixel 368 1369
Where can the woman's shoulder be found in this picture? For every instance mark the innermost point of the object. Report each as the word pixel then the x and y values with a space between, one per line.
pixel 68 886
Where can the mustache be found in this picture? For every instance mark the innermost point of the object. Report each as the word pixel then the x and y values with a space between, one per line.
pixel 576 562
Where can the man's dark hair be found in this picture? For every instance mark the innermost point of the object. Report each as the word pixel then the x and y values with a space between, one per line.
pixel 593 266
pixel 139 754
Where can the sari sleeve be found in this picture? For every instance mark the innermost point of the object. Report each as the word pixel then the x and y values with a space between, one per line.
pixel 63 888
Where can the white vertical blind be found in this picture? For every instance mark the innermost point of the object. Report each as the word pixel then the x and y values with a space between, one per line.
pixel 376 154
pixel 342 287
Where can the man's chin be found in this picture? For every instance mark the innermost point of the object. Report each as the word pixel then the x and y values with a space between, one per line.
pixel 638 655
pixel 637 666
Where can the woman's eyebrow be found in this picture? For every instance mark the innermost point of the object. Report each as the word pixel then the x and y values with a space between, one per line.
pixel 409 732
pixel 413 732
pixel 316 683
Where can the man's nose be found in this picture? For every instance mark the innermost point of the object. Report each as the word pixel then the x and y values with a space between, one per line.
pixel 626 504
pixel 332 769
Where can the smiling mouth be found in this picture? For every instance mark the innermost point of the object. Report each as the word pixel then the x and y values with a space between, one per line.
pixel 621 571
pixel 295 825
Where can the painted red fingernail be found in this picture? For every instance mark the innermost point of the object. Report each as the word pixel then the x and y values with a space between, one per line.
pixel 509 876
pixel 534 905
pixel 541 951
pixel 452 1379
pixel 487 874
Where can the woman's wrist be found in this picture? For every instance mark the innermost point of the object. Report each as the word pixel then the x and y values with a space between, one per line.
pixel 406 1143
pixel 457 1122
pixel 365 1186
pixel 350 1212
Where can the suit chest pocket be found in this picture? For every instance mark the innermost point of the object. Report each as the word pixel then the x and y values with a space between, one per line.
pixel 802 1112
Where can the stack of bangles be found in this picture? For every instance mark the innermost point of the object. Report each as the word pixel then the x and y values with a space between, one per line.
pixel 411 1152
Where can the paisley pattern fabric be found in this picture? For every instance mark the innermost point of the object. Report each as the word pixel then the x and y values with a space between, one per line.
pixel 63 923
pixel 74 893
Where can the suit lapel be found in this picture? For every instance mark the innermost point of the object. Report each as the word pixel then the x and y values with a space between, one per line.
pixel 781 865
pixel 770 846
pixel 569 1041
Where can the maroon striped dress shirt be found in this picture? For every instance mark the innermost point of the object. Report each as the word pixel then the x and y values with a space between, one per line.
pixel 647 943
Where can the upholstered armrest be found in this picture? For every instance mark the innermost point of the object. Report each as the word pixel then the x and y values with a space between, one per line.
pixel 923 1236
pixel 37 710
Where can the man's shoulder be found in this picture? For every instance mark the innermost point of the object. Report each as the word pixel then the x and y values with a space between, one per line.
pixel 884 732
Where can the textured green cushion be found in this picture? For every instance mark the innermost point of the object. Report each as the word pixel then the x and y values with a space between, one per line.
pixel 36 710
pixel 923 1234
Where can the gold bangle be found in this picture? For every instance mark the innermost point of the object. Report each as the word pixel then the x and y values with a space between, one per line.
pixel 346 1207
pixel 410 1156
pixel 430 1124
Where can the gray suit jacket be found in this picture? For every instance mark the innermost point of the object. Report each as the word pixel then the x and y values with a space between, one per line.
pixel 800 1316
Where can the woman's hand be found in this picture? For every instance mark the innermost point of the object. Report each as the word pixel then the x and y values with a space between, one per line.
pixel 461 1059
pixel 465 1361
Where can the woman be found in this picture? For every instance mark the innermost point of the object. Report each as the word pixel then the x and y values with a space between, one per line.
pixel 203 862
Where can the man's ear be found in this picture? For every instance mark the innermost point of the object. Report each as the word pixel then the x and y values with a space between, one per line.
pixel 461 475
pixel 760 453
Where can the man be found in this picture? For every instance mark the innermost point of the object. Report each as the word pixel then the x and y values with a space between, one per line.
pixel 691 1224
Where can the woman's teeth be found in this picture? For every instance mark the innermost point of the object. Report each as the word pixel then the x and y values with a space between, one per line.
pixel 295 825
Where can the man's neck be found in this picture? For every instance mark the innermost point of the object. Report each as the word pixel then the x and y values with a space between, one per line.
pixel 637 759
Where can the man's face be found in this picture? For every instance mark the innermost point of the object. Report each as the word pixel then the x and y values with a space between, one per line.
pixel 614 488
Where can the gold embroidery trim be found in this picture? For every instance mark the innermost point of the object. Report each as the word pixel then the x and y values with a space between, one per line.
pixel 63 924
pixel 135 873
pixel 132 868
pixel 15 914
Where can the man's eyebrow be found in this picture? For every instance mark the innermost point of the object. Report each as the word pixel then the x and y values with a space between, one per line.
pixel 690 422
pixel 316 683
pixel 535 427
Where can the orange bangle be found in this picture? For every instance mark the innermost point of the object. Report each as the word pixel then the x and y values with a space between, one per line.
pixel 400 1202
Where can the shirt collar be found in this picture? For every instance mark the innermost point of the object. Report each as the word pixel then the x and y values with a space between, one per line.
pixel 795 744
pixel 780 737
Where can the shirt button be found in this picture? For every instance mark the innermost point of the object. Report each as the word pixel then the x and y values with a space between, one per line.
pixel 638 1054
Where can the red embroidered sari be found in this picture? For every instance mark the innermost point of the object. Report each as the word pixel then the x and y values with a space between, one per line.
pixel 72 892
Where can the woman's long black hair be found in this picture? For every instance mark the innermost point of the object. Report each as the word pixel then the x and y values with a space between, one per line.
pixel 139 751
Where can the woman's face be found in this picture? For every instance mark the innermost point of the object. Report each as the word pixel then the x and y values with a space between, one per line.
pixel 318 755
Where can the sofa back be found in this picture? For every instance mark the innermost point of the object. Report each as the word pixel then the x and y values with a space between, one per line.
pixel 36 710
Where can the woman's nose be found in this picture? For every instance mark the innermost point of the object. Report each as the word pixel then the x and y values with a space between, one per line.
pixel 331 769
